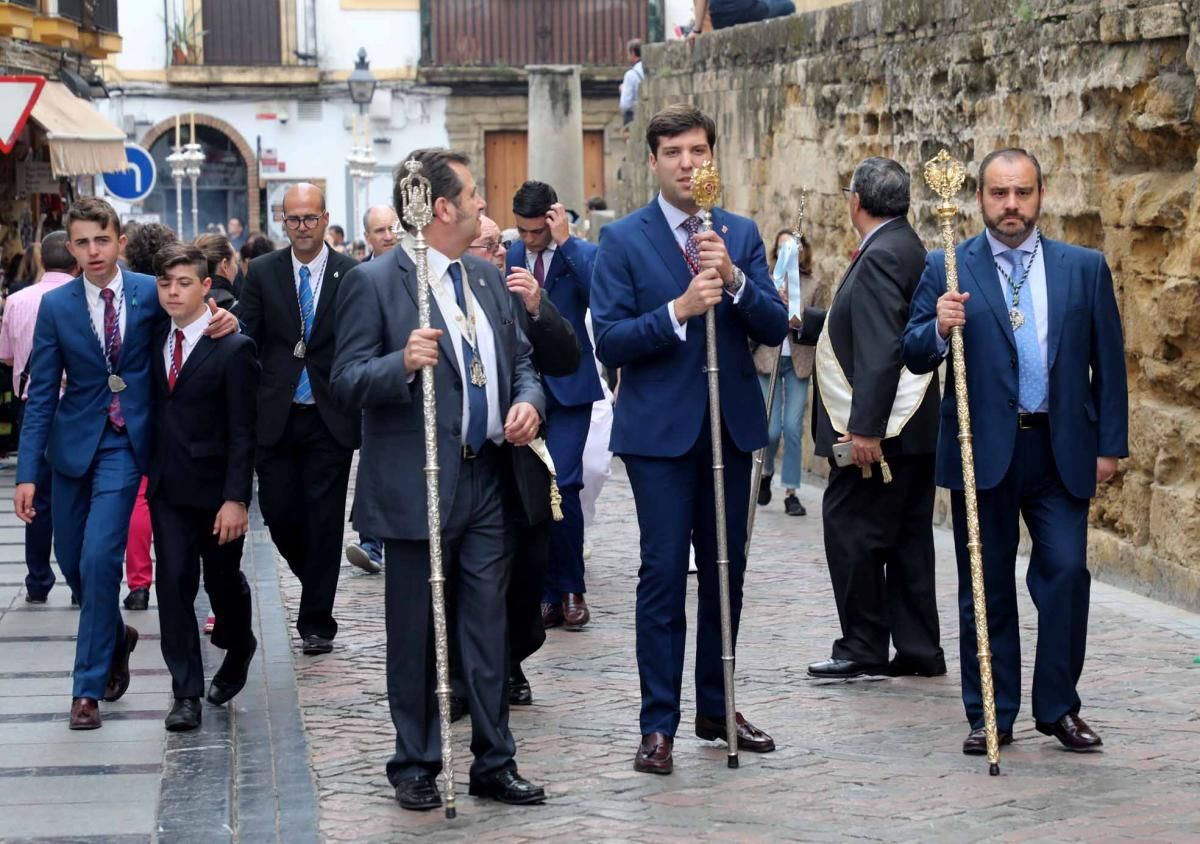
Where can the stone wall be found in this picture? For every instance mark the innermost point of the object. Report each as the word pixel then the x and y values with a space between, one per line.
pixel 1104 94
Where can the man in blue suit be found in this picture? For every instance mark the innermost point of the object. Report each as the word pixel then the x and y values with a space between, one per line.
pixel 656 277
pixel 98 330
pixel 548 259
pixel 1049 411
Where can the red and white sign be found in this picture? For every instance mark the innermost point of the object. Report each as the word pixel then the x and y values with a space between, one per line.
pixel 17 97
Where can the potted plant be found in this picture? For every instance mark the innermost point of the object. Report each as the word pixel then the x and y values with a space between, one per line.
pixel 183 37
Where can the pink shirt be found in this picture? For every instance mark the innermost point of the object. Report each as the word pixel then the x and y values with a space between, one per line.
pixel 20 317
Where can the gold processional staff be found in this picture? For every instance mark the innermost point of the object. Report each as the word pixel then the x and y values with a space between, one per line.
pixel 945 175
pixel 706 190
pixel 417 210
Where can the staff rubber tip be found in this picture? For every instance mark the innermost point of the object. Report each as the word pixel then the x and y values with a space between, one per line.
pixel 994 769
pixel 733 761
pixel 451 813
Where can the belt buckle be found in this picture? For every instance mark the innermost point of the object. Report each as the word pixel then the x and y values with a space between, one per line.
pixel 1025 422
pixel 467 454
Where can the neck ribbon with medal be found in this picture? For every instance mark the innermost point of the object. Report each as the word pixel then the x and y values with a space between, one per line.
pixel 465 322
pixel 301 347
pixel 1014 312
pixel 115 382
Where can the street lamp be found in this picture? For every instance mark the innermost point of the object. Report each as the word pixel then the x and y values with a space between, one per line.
pixel 361 160
pixel 362 82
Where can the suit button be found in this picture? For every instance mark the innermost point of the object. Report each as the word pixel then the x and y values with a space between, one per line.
pixel 1012 363
pixel 1012 402
pixel 457 386
pixel 704 369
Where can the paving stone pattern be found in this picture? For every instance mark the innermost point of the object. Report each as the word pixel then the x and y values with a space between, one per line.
pixel 865 760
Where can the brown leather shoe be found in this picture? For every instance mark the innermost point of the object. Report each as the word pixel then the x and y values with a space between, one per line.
pixel 552 615
pixel 85 714
pixel 654 754
pixel 1073 732
pixel 749 737
pixel 118 672
pixel 575 611
pixel 975 744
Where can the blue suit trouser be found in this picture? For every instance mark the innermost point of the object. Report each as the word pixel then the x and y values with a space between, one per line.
pixel 91 515
pixel 1058 581
pixel 674 500
pixel 566 435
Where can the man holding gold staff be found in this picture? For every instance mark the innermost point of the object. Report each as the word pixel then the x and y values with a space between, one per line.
pixel 657 275
pixel 1049 411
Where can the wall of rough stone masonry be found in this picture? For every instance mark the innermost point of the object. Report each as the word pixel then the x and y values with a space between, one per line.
pixel 1104 93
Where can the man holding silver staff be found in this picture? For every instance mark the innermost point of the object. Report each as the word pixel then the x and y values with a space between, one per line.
pixel 877 425
pixel 487 394
pixel 656 277
pixel 1049 410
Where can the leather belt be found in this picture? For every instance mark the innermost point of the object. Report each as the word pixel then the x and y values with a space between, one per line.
pixel 489 448
pixel 1028 421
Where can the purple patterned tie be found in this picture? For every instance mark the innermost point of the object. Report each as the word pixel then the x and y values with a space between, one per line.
pixel 692 250
pixel 112 350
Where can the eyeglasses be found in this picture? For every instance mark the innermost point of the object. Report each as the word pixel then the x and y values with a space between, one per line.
pixel 847 191
pixel 489 246
pixel 309 221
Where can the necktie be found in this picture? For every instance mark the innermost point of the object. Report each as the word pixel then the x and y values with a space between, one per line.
pixel 692 249
pixel 539 270
pixel 112 351
pixel 1031 390
pixel 176 360
pixel 304 394
pixel 476 396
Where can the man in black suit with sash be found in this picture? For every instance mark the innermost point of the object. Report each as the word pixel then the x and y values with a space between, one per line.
pixel 305 440
pixel 488 394
pixel 200 484
pixel 878 529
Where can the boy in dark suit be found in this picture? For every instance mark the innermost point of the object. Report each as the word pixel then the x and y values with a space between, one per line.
pixel 200 484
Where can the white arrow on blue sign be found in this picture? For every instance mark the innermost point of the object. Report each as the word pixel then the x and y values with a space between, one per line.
pixel 135 182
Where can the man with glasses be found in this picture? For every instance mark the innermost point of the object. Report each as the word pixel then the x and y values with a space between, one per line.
pixel 305 440
pixel 488 246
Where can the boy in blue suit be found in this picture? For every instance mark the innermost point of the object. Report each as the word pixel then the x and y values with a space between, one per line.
pixel 548 259
pixel 1049 412
pixel 98 330
pixel 656 277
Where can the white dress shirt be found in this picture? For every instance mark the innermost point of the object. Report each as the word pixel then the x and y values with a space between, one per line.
pixel 96 305
pixel 547 256
pixel 316 268
pixel 676 219
pixel 1034 286
pixel 192 332
pixel 485 342
pixel 872 232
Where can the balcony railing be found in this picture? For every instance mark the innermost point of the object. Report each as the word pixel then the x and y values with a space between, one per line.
pixel 98 15
pixel 483 33
pixel 237 33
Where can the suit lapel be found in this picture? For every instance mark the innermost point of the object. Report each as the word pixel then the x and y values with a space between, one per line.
pixel 408 273
pixel 329 282
pixel 862 249
pixel 195 360
pixel 83 318
pixel 654 224
pixel 982 268
pixel 1058 288
pixel 286 280
pixel 157 362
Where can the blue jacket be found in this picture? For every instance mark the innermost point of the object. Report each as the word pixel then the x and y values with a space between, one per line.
pixel 1089 397
pixel 663 398
pixel 568 284
pixel 67 431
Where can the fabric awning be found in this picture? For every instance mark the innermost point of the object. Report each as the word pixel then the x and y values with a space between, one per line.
pixel 82 141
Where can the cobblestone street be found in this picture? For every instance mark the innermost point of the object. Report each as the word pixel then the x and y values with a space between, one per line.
pixel 869 760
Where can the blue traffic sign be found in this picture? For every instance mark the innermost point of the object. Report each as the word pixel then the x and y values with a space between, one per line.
pixel 135 182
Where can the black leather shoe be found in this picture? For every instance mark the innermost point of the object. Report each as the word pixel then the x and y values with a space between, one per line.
pixel 34 599
pixel 843 669
pixel 184 715
pixel 749 737
pixel 231 676
pixel 764 490
pixel 654 754
pixel 419 794
pixel 975 744
pixel 552 615
pixel 508 787
pixel 1073 732
pixel 314 644
pixel 137 599
pixel 118 671
pixel 519 692
pixel 458 709
pixel 901 666
pixel 793 507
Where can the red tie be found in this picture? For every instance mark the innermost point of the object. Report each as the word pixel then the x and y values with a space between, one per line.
pixel 854 254
pixel 176 360
pixel 539 271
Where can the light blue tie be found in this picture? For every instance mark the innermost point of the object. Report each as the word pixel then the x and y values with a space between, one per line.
pixel 304 394
pixel 1031 391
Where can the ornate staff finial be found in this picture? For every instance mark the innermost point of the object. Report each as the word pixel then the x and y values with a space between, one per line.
pixel 706 185
pixel 415 193
pixel 945 175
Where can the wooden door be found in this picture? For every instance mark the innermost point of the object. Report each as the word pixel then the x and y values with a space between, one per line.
pixel 593 167
pixel 506 163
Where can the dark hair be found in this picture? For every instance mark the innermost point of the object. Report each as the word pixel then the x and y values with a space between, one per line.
pixel 675 120
pixel 216 248
pixel 803 256
pixel 178 253
pixel 435 166
pixel 635 46
pixel 339 230
pixel 882 186
pixel 256 244
pixel 129 227
pixel 597 203
pixel 533 199
pixel 1009 154
pixel 55 255
pixel 145 245
pixel 92 209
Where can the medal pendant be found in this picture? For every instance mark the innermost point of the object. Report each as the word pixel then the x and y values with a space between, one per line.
pixel 116 383
pixel 1016 318
pixel 478 376
pixel 299 351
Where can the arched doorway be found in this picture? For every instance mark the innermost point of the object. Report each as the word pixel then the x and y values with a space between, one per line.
pixel 221 188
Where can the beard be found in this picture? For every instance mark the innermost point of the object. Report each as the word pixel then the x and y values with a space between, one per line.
pixel 1016 227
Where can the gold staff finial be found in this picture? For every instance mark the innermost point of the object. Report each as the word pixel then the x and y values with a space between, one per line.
pixel 945 175
pixel 706 185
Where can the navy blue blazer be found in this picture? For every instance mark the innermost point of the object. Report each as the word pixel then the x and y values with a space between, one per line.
pixel 663 397
pixel 67 431
pixel 1089 396
pixel 568 284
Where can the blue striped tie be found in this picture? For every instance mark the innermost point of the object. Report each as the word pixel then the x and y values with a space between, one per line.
pixel 1031 383
pixel 476 396
pixel 304 394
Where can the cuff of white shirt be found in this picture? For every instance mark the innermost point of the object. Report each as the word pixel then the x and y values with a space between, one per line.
pixel 680 330
pixel 941 345
pixel 737 297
